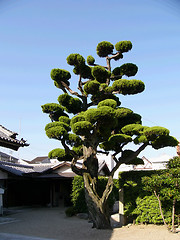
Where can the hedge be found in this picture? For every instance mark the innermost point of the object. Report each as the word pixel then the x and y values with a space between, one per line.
pixel 141 206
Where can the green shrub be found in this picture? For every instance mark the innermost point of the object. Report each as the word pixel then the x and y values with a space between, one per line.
pixel 70 211
pixel 131 182
pixel 140 205
pixel 78 195
pixel 147 210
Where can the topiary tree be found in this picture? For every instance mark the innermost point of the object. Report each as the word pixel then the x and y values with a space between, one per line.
pixel 91 118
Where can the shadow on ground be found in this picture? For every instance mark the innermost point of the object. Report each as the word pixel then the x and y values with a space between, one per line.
pixel 49 223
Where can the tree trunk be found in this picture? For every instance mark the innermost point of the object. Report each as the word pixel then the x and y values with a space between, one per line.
pixel 97 207
pixel 173 215
pixel 160 208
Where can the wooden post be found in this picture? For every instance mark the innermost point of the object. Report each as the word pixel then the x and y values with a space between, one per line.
pixel 121 207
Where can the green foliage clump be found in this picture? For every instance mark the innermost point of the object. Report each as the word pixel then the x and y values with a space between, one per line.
pixel 135 161
pixel 70 211
pixel 101 114
pixel 92 87
pixel 164 141
pixel 104 94
pixel 54 110
pixel 104 49
pixel 57 124
pixel 133 129
pixel 140 139
pixel 75 59
pixel 153 132
pixel 100 74
pixel 64 119
pixel 123 46
pixel 56 132
pixel 52 107
pixel 147 210
pixel 128 87
pixel 59 154
pixel 78 150
pixel 84 71
pixel 174 163
pixel 79 65
pixel 73 140
pixel 125 117
pixel 115 141
pixel 77 118
pixel 72 105
pixel 108 102
pixel 82 128
pixel 128 69
pixel 90 60
pixel 60 75
pixel 78 195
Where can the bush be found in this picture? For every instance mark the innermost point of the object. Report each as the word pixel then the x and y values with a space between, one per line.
pixel 78 195
pixel 140 205
pixel 147 210
pixel 70 211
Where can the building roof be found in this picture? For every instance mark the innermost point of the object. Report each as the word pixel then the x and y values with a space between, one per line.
pixel 7 157
pixel 38 159
pixel 16 169
pixel 8 139
pixel 24 170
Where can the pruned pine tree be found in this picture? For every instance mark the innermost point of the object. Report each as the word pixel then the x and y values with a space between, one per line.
pixel 91 119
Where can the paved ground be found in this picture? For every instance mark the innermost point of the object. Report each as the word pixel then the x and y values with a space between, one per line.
pixel 52 224
pixel 9 236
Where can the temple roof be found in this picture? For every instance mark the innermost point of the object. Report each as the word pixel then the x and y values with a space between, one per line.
pixel 8 139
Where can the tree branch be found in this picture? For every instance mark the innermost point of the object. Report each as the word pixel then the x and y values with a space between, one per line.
pixel 115 55
pixel 103 152
pixel 115 159
pixel 80 85
pixel 107 191
pixel 108 59
pixel 71 91
pixel 128 159
pixel 142 147
pixel 160 207
pixel 75 169
pixel 117 76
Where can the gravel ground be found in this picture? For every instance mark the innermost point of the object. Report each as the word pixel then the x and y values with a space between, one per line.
pixel 52 224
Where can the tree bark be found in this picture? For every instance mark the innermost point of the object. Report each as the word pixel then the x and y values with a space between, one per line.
pixel 173 216
pixel 98 209
pixel 160 208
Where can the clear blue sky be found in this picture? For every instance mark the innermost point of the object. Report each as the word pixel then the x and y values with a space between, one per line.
pixel 36 36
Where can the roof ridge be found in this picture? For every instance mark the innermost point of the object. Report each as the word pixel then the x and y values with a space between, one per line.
pixel 15 164
pixel 7 131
